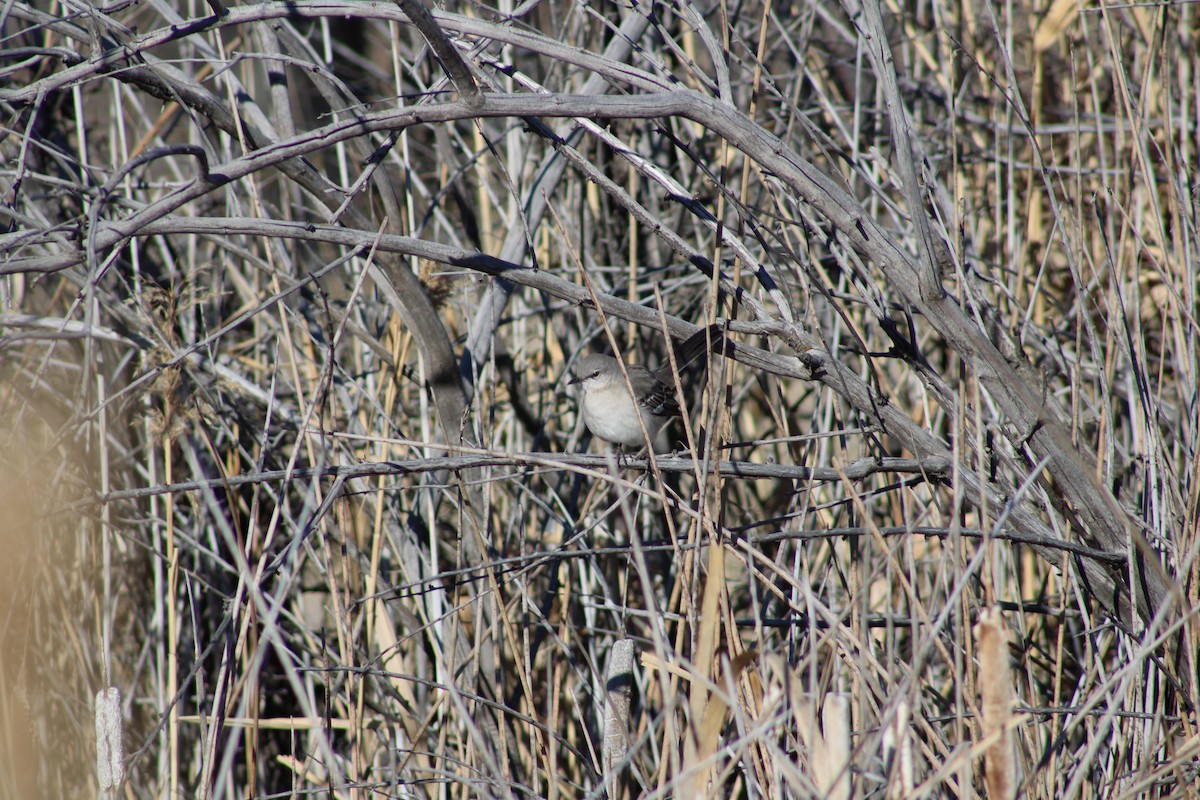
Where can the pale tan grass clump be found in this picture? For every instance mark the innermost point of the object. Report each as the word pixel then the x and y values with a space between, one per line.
pixel 827 744
pixel 50 647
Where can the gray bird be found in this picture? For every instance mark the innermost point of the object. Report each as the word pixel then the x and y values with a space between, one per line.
pixel 612 414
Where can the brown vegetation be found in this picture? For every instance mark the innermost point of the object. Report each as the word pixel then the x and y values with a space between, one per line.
pixel 288 296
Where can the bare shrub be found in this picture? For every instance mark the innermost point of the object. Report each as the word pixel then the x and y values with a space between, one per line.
pixel 290 294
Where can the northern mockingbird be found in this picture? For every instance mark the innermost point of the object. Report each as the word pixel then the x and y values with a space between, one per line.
pixel 611 413
pixel 609 410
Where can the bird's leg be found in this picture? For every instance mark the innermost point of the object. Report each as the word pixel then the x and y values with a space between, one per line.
pixel 622 457
pixel 625 458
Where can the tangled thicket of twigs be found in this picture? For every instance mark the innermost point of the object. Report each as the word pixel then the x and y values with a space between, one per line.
pixel 290 293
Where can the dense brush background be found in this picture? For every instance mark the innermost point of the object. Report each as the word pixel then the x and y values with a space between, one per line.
pixel 287 464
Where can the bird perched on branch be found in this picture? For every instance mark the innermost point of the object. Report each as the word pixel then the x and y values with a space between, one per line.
pixel 611 407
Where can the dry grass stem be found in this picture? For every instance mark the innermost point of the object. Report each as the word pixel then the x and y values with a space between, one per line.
pixel 995 690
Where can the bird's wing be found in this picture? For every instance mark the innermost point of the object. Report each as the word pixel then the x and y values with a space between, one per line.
pixel 654 395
